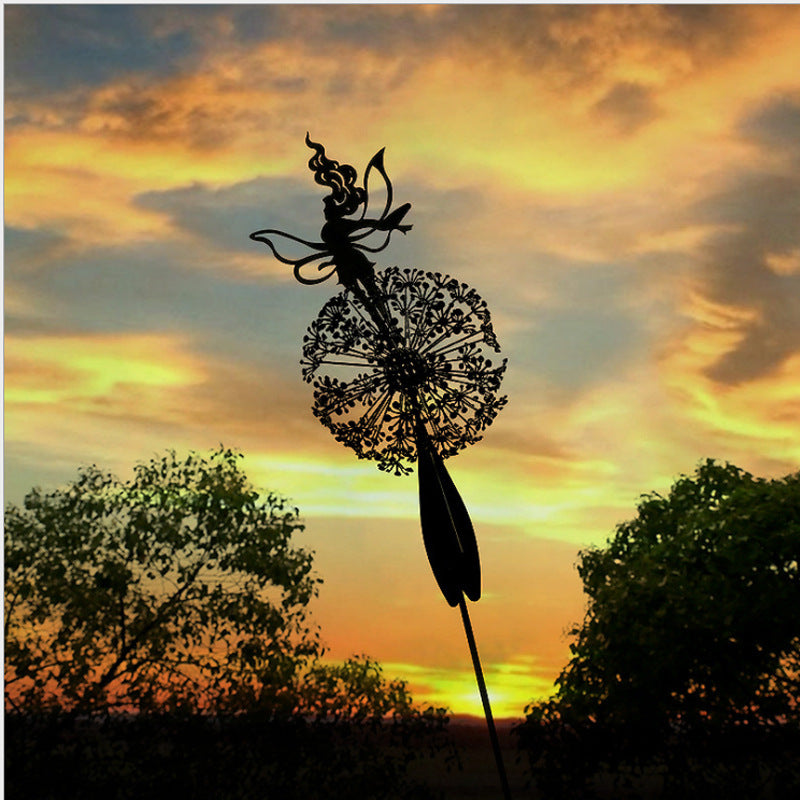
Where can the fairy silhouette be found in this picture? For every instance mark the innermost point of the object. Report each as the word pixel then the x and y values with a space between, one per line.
pixel 342 247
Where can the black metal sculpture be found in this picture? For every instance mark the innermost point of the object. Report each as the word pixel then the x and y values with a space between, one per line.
pixel 424 357
pixel 342 237
pixel 399 367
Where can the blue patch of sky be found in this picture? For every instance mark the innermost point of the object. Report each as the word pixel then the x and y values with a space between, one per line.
pixel 55 47
pixel 255 23
pixel 574 348
pixel 152 288
pixel 24 246
pixel 228 216
pixel 33 465
pixel 584 331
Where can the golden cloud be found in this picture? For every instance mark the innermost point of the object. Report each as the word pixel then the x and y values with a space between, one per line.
pixel 83 370
pixel 784 263
pixel 73 397
pixel 461 117
pixel 754 419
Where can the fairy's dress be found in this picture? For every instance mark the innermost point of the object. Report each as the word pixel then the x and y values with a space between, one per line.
pixel 347 256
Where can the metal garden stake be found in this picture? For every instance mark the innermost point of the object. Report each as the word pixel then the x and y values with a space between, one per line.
pixel 399 368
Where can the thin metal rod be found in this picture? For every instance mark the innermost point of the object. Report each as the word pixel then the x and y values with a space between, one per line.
pixel 487 709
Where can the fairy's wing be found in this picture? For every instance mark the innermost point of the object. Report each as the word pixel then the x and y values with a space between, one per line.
pixel 265 237
pixel 392 218
pixel 261 236
pixel 376 163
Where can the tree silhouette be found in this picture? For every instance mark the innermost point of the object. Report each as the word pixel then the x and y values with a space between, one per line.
pixel 176 588
pixel 178 594
pixel 691 638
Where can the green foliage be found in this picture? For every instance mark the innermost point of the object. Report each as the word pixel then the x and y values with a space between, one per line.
pixel 176 589
pixel 691 635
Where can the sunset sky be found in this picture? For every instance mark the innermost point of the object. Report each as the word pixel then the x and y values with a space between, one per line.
pixel 621 184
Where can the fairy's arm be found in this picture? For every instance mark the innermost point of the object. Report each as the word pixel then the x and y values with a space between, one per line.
pixel 391 222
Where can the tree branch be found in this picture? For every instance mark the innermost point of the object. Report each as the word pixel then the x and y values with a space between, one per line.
pixel 111 672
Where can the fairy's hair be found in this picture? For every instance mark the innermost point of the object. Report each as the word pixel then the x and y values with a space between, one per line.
pixel 345 196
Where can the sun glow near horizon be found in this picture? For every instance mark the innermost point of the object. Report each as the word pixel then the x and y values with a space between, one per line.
pixel 511 687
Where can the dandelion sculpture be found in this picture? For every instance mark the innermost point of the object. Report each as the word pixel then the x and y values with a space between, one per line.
pixel 400 368
pixel 424 357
